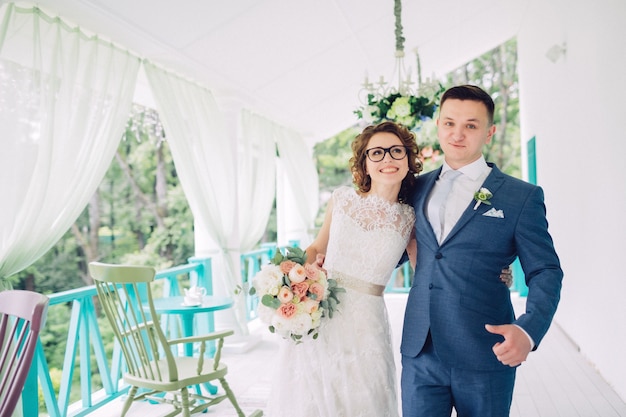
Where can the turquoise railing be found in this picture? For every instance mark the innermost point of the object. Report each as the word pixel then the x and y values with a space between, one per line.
pixel 84 337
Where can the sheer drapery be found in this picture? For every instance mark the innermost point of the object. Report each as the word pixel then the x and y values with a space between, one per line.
pixel 65 97
pixel 206 164
pixel 301 176
pixel 257 177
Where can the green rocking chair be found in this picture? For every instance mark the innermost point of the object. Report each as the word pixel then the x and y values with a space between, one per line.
pixel 151 365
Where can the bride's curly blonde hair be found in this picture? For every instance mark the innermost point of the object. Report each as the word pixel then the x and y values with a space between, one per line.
pixel 358 160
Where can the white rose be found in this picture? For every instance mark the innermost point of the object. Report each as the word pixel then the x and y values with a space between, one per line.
pixel 265 313
pixel 268 280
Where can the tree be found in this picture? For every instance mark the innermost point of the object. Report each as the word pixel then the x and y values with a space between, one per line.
pixel 138 214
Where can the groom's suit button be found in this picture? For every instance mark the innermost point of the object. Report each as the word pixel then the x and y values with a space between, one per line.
pixel 430 286
pixel 438 256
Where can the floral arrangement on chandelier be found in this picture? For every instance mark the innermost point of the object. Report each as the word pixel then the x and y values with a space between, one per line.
pixel 401 104
pixel 409 110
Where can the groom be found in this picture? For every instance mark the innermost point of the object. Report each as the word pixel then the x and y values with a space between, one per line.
pixel 461 342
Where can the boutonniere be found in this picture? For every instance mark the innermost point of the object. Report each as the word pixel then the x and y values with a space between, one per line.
pixel 482 196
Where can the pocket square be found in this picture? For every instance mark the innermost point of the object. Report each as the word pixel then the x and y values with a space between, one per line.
pixel 494 213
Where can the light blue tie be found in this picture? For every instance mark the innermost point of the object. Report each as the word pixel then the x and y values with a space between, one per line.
pixel 437 202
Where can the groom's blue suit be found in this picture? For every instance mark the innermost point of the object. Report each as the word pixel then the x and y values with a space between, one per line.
pixel 456 288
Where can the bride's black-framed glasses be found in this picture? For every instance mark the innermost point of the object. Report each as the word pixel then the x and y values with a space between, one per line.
pixel 397 152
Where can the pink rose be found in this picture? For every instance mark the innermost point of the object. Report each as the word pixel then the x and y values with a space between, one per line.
pixel 312 272
pixel 285 295
pixel 297 273
pixel 287 310
pixel 317 289
pixel 285 266
pixel 300 289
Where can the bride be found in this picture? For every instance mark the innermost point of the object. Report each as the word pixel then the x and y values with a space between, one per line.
pixel 349 370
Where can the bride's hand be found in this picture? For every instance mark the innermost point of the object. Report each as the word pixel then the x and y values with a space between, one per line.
pixel 506 276
pixel 319 259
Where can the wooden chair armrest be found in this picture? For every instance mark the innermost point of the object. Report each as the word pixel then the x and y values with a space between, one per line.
pixel 202 338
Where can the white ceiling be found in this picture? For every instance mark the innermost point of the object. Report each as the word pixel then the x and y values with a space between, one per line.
pixel 299 63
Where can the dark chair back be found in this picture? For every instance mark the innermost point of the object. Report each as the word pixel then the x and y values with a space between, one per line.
pixel 22 316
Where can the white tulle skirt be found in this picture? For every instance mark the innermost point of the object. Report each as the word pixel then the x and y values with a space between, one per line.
pixel 348 371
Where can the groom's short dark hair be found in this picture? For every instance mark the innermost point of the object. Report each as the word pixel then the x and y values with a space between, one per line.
pixel 470 92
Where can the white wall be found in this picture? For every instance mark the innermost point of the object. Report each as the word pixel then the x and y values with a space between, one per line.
pixel 576 108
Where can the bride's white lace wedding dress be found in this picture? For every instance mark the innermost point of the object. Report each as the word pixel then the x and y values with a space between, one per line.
pixel 349 370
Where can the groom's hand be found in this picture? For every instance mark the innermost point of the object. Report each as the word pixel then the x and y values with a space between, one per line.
pixel 516 346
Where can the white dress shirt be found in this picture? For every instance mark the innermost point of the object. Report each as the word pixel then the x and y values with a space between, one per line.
pixel 463 189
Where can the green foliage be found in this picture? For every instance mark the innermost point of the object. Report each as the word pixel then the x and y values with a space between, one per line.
pixel 297 255
pixel 54 337
pixel 270 301
pixel 332 158
pixel 409 110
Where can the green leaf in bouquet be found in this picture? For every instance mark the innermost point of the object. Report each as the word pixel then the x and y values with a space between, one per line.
pixel 252 291
pixel 334 298
pixel 296 254
pixel 270 301
pixel 278 258
pixel 272 329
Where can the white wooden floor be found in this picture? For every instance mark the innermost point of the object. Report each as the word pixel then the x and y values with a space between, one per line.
pixel 556 381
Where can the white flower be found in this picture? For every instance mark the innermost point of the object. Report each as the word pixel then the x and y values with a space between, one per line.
pixel 482 196
pixel 300 324
pixel 297 274
pixel 316 318
pixel 268 280
pixel 399 108
pixel 266 314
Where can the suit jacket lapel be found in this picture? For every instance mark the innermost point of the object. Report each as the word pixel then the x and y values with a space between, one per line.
pixel 421 222
pixel 493 182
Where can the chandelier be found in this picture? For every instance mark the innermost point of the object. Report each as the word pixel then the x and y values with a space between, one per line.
pixel 401 99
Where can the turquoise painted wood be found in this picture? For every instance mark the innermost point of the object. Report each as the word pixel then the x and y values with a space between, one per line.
pixel 519 278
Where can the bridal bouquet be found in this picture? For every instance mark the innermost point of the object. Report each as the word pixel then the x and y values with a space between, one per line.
pixel 294 295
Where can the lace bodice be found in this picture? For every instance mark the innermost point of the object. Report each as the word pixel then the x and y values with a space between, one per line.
pixel 367 236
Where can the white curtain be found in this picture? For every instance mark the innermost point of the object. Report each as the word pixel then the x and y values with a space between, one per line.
pixel 206 163
pixel 301 179
pixel 65 97
pixel 257 177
